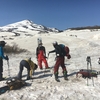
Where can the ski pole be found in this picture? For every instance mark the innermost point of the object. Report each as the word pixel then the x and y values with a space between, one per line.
pixel 88 72
pixel 8 68
pixel 89 61
pixel 45 68
pixel 91 71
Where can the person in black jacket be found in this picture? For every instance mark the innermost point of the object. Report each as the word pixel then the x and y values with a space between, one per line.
pixel 41 56
pixel 59 61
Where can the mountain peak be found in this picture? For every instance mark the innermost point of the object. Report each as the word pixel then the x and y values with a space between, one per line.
pixel 27 25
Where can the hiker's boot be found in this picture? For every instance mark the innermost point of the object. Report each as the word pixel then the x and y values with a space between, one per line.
pixel 41 68
pixel 56 76
pixel 47 67
pixel 65 75
pixel 1 78
pixel 28 78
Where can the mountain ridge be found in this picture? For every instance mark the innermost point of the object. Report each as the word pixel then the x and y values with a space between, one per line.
pixel 27 25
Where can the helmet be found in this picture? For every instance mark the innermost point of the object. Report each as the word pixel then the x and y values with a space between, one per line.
pixel 2 43
pixel 55 43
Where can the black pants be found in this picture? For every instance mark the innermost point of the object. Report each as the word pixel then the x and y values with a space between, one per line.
pixel 1 68
pixel 23 64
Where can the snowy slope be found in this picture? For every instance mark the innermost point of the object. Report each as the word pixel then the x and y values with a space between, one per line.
pixel 44 87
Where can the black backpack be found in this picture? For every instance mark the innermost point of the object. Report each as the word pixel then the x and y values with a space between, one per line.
pixel 62 46
pixel 65 50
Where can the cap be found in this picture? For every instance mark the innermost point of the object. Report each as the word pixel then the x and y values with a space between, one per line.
pixel 2 42
pixel 55 43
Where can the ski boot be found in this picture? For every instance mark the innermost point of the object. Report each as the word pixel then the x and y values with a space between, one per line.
pixel 65 75
pixel 56 77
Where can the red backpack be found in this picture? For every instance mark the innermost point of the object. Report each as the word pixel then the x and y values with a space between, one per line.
pixel 67 52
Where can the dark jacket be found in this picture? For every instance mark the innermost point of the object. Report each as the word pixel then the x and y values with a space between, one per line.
pixel 40 48
pixel 58 51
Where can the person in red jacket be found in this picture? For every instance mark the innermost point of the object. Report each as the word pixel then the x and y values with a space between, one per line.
pixel 41 56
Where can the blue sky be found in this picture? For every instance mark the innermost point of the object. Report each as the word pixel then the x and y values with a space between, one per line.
pixel 61 14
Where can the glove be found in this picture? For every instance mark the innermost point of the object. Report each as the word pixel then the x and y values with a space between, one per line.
pixel 7 57
pixel 68 56
pixel 46 57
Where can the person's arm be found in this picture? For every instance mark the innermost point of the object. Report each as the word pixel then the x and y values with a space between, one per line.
pixel 44 50
pixel 52 51
pixel 31 68
pixel 2 54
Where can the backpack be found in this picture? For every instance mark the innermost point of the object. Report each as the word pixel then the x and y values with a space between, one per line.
pixel 65 50
pixel 87 73
pixel 15 83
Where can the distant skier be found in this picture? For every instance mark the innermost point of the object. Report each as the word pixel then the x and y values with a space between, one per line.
pixel 41 56
pixel 2 44
pixel 59 61
pixel 31 67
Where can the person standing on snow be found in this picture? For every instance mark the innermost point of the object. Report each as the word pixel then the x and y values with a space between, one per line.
pixel 41 56
pixel 30 65
pixel 59 61
pixel 2 44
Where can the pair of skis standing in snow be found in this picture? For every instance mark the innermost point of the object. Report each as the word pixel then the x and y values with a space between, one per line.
pixel 60 57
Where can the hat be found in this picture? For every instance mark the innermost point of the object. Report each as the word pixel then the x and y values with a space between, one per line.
pixel 55 43
pixel 2 42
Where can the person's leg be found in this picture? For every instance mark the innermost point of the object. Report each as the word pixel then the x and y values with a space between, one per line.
pixel 64 68
pixel 28 74
pixel 21 66
pixel 27 66
pixel 45 62
pixel 56 67
pixel 40 63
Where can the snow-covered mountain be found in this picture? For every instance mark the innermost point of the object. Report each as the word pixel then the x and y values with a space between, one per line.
pixel 82 43
pixel 27 25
